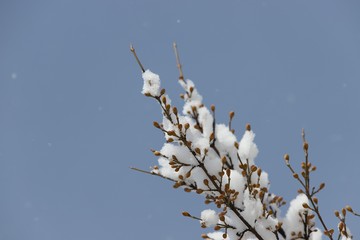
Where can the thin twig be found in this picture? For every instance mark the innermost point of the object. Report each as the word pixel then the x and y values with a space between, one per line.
pixel 152 173
pixel 132 49
pixel 178 63
pixel 307 185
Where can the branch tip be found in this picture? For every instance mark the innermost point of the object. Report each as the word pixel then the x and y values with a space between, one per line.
pixel 132 49
pixel 178 63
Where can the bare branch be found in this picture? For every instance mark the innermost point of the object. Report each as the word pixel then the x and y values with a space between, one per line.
pixel 132 49
pixel 178 63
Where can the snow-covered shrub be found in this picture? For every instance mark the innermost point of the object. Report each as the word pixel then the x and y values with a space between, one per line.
pixel 205 157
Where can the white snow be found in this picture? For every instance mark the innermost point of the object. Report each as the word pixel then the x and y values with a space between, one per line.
pixel 151 83
pixel 209 218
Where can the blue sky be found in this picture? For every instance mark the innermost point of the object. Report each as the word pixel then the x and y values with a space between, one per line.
pixel 73 120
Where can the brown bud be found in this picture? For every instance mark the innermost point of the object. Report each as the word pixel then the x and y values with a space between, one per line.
pixel 188 174
pixel 217 228
pixel 248 127
pixel 228 172
pixel 167 107
pixel 156 124
pixel 197 150
pixel 316 200
pixel 157 153
pixel 305 146
pixel 337 214
pixel 162 92
pixel 206 182
pixel 191 89
pixel 204 236
pixel 187 189
pixel 186 214
pixel 224 235
pixel 343 211
pixel 305 205
pixel 322 185
pixel 175 111
pixel 231 115
pixel 341 226
pixel 169 140
pixel 349 209
pixel 295 175
pixel 287 157
pixel 259 172
pixel 187 125
pixel 329 232
pixel 163 99
pixel 236 145
pixel 311 216
pixel 212 108
pixel 199 191
pixel 223 160
pixel 177 184
pixel 253 168
pixel 212 136
pixel 171 133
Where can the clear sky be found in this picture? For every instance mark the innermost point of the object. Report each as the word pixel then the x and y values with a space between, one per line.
pixel 73 120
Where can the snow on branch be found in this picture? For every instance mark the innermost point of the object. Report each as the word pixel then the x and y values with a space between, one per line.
pixel 205 157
